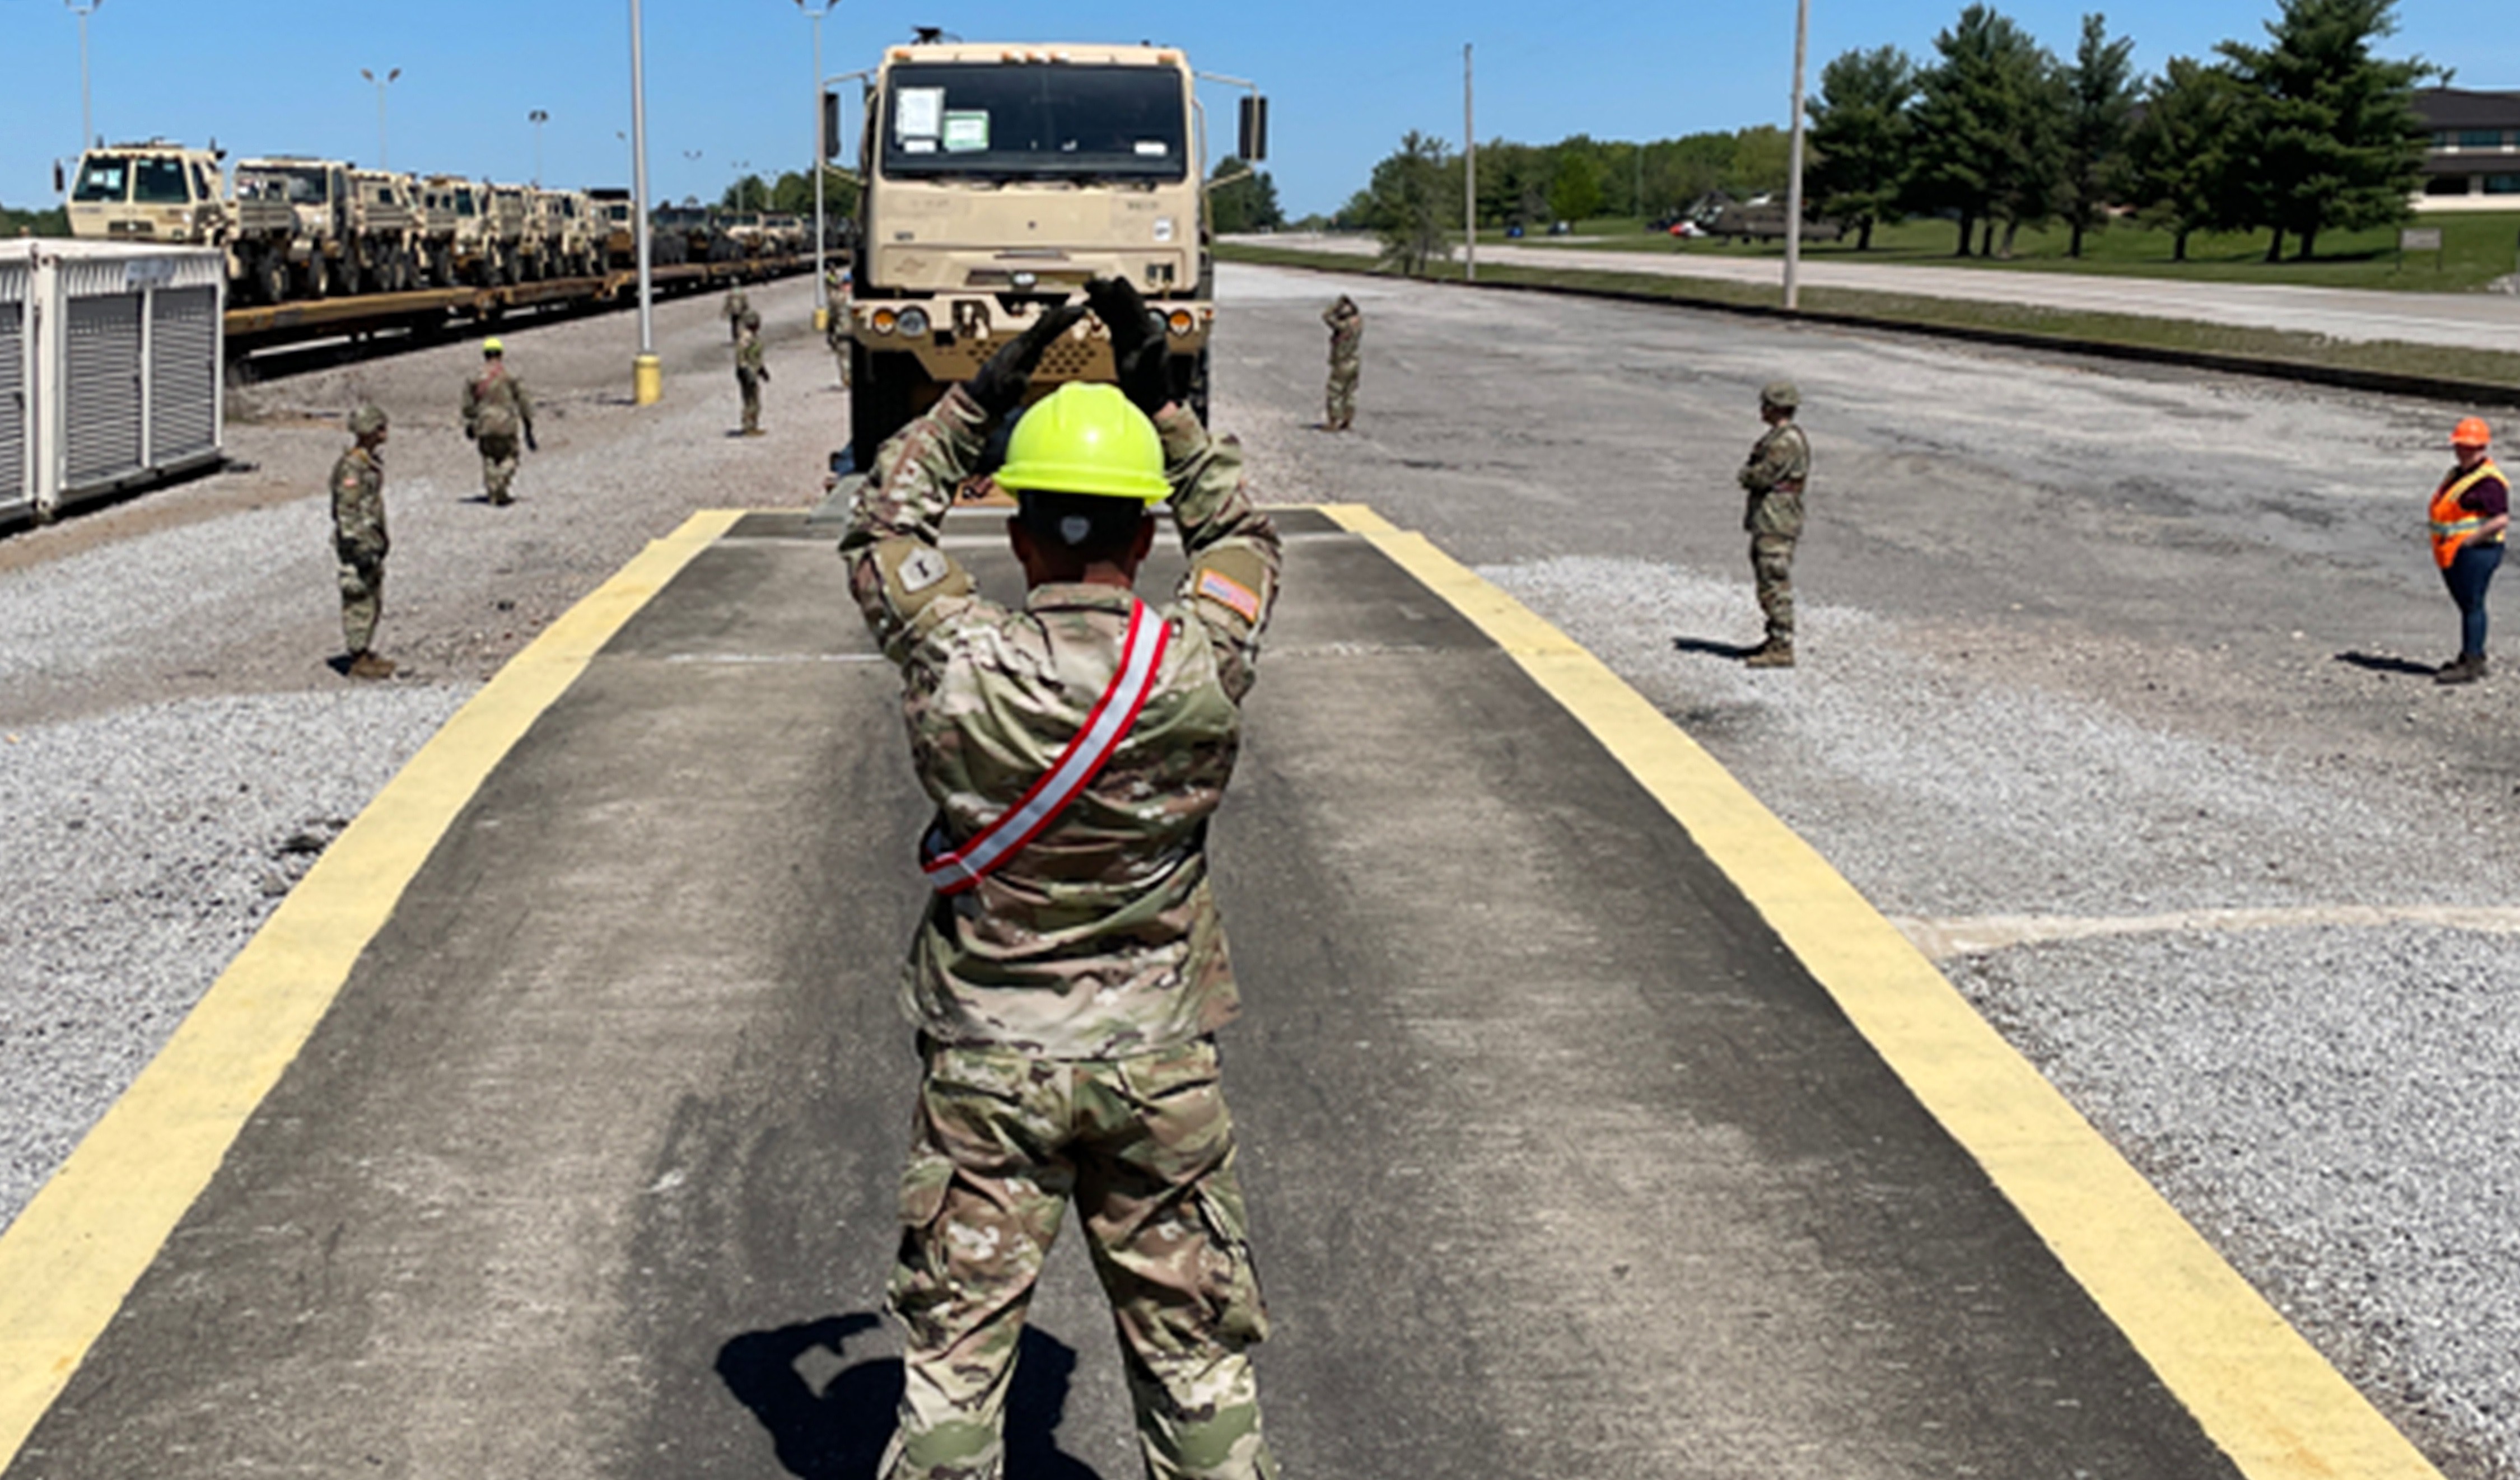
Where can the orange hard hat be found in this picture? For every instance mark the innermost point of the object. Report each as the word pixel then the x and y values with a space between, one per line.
pixel 2471 431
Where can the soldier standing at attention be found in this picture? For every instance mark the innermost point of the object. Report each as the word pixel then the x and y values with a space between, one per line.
pixel 737 306
pixel 359 540
pixel 2470 511
pixel 749 372
pixel 835 329
pixel 1347 340
pixel 496 411
pixel 1071 972
pixel 1773 477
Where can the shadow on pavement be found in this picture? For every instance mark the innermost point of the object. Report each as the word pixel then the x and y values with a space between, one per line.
pixel 1708 645
pixel 838 1430
pixel 2389 662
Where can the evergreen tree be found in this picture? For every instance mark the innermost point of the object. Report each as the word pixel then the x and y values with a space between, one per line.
pixel 2099 96
pixel 1414 201
pixel 1248 202
pixel 2183 154
pixel 2338 140
pixel 1988 127
pixel 1860 131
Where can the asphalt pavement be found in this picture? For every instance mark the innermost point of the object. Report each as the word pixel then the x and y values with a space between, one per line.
pixel 1561 1160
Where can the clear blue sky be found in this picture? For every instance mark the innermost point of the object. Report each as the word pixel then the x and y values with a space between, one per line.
pixel 732 79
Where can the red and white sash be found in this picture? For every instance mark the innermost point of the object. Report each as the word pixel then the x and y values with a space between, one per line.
pixel 1141 660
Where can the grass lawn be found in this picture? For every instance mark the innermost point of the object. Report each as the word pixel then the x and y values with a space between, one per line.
pixel 2477 248
pixel 1598 272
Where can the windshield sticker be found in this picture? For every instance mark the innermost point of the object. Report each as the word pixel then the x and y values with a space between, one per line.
pixel 1155 147
pixel 915 114
pixel 966 133
pixel 918 146
pixel 1163 227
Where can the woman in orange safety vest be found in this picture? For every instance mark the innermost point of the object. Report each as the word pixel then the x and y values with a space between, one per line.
pixel 2470 511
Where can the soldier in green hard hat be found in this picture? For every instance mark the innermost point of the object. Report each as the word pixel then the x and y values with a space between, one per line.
pixel 1071 973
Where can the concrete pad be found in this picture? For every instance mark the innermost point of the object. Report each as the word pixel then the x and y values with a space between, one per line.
pixel 1560 1161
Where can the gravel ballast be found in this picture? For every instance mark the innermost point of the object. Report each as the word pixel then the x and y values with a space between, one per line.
pixel 2329 1105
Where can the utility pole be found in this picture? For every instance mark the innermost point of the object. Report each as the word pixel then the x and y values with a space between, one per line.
pixel 1794 189
pixel 87 115
pixel 380 110
pixel 1469 177
pixel 741 165
pixel 538 118
pixel 647 371
pixel 822 151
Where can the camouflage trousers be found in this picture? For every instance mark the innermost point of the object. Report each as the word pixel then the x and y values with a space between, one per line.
pixel 363 601
pixel 1339 408
pixel 1144 1146
pixel 498 466
pixel 749 382
pixel 1771 564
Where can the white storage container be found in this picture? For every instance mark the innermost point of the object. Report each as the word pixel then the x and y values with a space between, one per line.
pixel 110 368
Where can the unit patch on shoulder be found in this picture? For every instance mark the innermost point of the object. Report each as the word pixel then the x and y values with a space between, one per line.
pixel 920 569
pixel 1230 593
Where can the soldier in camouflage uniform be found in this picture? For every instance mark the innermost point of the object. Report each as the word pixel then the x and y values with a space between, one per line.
pixel 836 328
pixel 749 372
pixel 359 540
pixel 1347 344
pixel 1773 477
pixel 496 412
pixel 737 305
pixel 1066 1003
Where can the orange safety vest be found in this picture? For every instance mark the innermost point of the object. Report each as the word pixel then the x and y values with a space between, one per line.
pixel 2453 526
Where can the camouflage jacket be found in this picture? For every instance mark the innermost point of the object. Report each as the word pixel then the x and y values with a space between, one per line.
pixel 1774 477
pixel 1100 938
pixel 1347 330
pixel 359 508
pixel 748 351
pixel 735 307
pixel 495 405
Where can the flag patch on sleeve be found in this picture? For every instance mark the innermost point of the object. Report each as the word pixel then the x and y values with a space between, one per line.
pixel 1236 597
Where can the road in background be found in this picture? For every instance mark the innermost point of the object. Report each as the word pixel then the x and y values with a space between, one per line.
pixel 2469 321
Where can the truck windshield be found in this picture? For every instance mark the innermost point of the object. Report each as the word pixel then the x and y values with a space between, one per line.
pixel 1035 119
pixel 299 185
pixel 104 177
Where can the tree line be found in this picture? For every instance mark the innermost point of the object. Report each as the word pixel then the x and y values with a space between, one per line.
pixel 2309 132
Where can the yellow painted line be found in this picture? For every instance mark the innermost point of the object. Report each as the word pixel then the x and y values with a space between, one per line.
pixel 74 1253
pixel 2262 1393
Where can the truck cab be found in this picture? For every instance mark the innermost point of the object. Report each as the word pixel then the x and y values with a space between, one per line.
pixel 997 179
pixel 154 192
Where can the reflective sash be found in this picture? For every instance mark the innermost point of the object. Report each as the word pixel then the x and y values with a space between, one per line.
pixel 2451 526
pixel 1141 660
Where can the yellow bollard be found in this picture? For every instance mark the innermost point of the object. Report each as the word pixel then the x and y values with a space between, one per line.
pixel 822 319
pixel 646 380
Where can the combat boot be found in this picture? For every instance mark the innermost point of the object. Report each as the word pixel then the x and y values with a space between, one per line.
pixel 1770 655
pixel 365 664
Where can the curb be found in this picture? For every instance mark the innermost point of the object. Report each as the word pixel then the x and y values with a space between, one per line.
pixel 2388 383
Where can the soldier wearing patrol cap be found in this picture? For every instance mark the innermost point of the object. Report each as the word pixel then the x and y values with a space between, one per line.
pixel 1773 477
pixel 496 411
pixel 359 541
pixel 1071 972
pixel 750 371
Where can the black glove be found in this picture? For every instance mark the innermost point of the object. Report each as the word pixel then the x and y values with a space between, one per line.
pixel 999 388
pixel 1137 343
pixel 530 444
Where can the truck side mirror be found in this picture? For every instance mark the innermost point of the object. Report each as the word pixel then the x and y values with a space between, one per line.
pixel 831 127
pixel 60 185
pixel 1253 141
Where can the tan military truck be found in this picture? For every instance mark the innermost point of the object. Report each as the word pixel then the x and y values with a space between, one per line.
pixel 162 191
pixel 461 208
pixel 995 180
pixel 620 227
pixel 340 243
pixel 389 230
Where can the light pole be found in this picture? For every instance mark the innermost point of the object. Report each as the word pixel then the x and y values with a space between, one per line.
pixel 647 371
pixel 741 165
pixel 381 109
pixel 1469 177
pixel 538 118
pixel 87 118
pixel 1794 187
pixel 822 151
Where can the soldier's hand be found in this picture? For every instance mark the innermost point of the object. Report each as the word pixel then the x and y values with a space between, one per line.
pixel 999 388
pixel 1137 344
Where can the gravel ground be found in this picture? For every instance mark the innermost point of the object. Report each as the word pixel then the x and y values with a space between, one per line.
pixel 2329 1104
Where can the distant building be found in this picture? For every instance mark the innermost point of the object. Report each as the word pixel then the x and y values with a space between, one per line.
pixel 2474 162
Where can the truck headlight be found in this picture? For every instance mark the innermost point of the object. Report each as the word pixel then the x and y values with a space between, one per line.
pixel 1180 321
pixel 882 320
pixel 914 322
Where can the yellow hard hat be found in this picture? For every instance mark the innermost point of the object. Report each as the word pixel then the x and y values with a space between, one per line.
pixel 1086 439
pixel 493 346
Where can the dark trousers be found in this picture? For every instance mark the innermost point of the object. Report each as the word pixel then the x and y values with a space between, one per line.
pixel 2470 571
